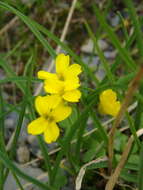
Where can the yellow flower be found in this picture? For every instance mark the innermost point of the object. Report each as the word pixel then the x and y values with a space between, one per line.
pixel 108 103
pixel 51 110
pixel 65 82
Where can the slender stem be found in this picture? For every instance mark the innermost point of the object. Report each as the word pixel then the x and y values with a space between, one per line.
pixel 133 129
pixel 104 62
pixel 2 143
pixel 128 97
pixel 113 179
pixel 17 181
pixel 16 134
pixel 18 129
pixel 46 157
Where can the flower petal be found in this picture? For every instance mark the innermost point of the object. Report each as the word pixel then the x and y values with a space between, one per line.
pixel 51 133
pixel 53 101
pixel 62 63
pixel 41 104
pixel 73 70
pixel 72 96
pixel 110 108
pixel 71 84
pixel 37 126
pixel 101 109
pixel 115 109
pixel 108 95
pixel 46 75
pixel 61 112
pixel 46 103
pixel 53 86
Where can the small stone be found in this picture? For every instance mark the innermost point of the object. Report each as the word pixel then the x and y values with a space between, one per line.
pixel 33 172
pixel 115 20
pixel 32 139
pixel 110 54
pixel 87 47
pixel 11 120
pixel 9 123
pixel 23 154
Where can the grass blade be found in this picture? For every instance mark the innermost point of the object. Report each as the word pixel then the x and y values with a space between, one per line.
pixel 18 172
pixel 137 25
pixel 114 39
pixel 140 175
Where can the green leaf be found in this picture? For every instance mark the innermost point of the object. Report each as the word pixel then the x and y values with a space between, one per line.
pixel 129 177
pixel 120 141
pixel 61 180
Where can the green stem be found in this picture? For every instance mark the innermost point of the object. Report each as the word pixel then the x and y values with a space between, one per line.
pixel 106 65
pixel 46 157
pixel 17 181
pixel 2 142
pixel 133 129
pixel 18 129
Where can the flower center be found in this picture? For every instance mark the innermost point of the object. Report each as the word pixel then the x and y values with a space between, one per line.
pixel 61 77
pixel 46 117
pixel 61 92
pixel 49 118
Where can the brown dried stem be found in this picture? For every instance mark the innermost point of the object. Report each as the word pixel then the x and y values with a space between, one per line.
pixel 8 25
pixel 128 97
pixel 114 177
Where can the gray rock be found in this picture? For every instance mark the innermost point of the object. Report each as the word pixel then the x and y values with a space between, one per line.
pixel 11 120
pixel 114 20
pixel 87 47
pixel 23 154
pixel 34 172
pixel 110 54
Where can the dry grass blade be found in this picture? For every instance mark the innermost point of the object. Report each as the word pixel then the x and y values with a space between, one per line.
pixel 113 179
pixel 62 38
pixel 8 25
pixel 83 169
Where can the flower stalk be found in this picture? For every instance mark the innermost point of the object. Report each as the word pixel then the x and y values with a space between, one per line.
pixel 133 86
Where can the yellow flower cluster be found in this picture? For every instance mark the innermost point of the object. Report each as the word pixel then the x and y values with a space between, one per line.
pixel 108 103
pixel 62 87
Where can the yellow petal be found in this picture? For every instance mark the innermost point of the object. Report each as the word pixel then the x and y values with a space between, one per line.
pixel 109 108
pixel 71 84
pixel 72 96
pixel 62 63
pixel 53 101
pixel 37 126
pixel 115 108
pixel 46 75
pixel 108 95
pixel 46 103
pixel 51 133
pixel 61 112
pixel 41 104
pixel 101 109
pixel 73 70
pixel 53 86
